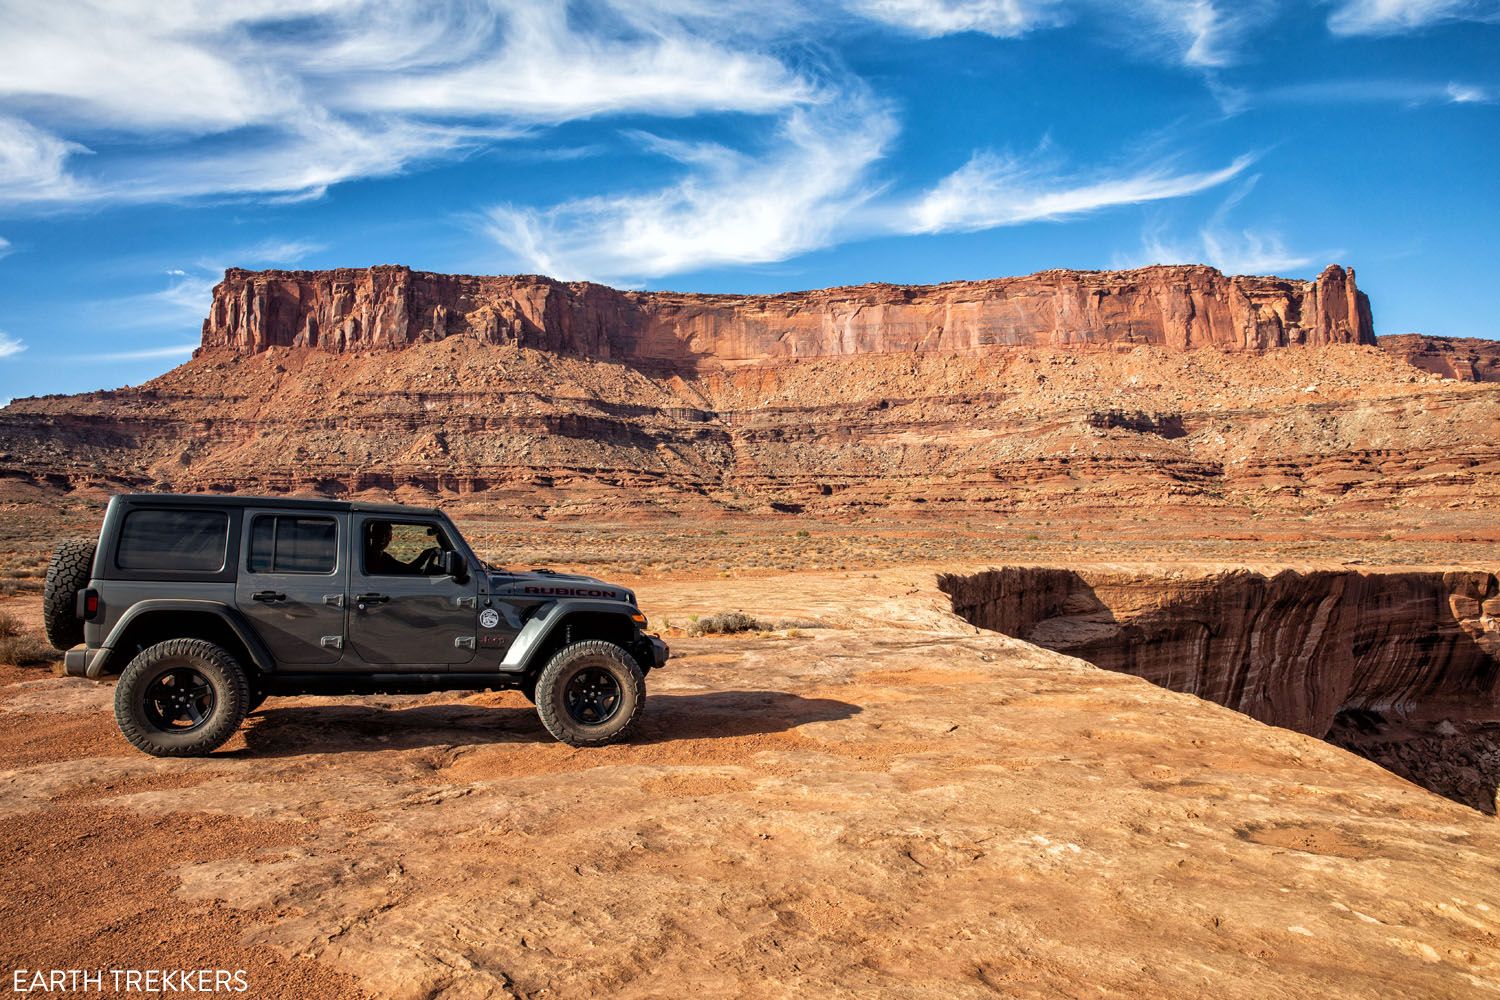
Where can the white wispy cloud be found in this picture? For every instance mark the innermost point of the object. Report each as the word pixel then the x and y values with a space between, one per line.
pixel 731 207
pixel 1243 251
pixel 1468 93
pixel 184 299
pixel 815 187
pixel 1388 17
pixel 932 18
pixel 182 351
pixel 1231 249
pixel 33 164
pixel 5 247
pixel 225 101
pixel 268 251
pixel 992 190
pixel 545 70
pixel 10 346
pixel 1374 90
pixel 1199 33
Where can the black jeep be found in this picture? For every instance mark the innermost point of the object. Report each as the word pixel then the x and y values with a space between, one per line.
pixel 206 605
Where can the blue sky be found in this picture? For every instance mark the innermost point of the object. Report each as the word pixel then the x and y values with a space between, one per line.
pixel 728 146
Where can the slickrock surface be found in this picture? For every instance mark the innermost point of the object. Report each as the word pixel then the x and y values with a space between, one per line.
pixel 894 805
pixel 385 308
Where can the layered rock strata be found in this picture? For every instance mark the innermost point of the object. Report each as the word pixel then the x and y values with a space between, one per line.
pixel 1059 388
pixel 1294 649
pixel 386 308
pixel 1466 359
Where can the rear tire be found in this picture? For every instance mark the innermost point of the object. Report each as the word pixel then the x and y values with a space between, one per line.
pixel 69 571
pixel 590 694
pixel 181 698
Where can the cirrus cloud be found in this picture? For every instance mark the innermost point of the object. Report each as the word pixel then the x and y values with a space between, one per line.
pixel 287 97
pixel 1389 17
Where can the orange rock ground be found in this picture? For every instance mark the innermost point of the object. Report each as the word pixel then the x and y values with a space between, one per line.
pixel 891 803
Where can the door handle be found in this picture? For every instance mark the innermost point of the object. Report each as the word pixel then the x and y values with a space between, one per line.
pixel 268 596
pixel 364 599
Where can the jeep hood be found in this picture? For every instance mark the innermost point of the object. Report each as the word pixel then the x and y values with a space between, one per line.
pixel 547 585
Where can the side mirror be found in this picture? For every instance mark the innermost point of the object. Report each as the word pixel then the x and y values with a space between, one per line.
pixel 454 565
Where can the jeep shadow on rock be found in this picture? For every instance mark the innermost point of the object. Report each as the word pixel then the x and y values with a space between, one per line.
pixel 207 605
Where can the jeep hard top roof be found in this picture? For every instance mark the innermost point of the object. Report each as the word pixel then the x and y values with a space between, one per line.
pixel 294 503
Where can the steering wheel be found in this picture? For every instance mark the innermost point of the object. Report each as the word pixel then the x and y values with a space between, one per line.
pixel 427 560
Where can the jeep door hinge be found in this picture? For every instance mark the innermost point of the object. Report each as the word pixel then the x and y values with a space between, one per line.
pixel 334 600
pixel 466 602
pixel 464 642
pixel 332 642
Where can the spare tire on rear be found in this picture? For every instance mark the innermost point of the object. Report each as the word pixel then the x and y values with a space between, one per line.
pixel 67 574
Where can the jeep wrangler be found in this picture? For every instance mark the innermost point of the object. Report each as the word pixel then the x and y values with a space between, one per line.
pixel 207 605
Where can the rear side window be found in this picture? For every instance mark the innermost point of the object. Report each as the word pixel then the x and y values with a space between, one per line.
pixel 183 541
pixel 288 544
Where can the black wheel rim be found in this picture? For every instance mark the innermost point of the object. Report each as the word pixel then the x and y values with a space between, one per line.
pixel 592 696
pixel 179 700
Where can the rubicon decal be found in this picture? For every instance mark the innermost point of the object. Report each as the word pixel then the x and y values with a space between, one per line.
pixel 572 592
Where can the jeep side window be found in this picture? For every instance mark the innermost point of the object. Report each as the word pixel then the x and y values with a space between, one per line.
pixel 291 544
pixel 182 540
pixel 403 548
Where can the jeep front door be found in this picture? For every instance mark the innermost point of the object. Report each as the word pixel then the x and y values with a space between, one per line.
pixel 404 609
pixel 291 583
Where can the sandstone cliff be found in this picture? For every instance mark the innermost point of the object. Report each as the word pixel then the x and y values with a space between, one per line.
pixel 1057 389
pixel 382 308
pixel 1465 359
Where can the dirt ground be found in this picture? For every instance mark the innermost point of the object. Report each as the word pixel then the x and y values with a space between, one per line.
pixel 890 803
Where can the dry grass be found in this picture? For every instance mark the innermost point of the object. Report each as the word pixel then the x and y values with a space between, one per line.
pixel 21 647
pixel 736 622
pixel 727 623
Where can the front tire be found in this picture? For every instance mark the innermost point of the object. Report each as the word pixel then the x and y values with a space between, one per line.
pixel 590 694
pixel 181 698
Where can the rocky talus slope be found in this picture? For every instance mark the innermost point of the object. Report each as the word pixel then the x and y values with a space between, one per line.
pixel 1158 386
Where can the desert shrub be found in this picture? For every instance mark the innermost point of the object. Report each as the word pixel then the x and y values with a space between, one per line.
pixel 20 647
pixel 734 622
pixel 26 650
pixel 726 623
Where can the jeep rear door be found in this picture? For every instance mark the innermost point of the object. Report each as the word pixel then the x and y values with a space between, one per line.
pixel 292 580
pixel 404 612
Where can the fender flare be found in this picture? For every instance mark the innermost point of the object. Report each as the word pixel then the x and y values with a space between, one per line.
pixel 259 655
pixel 544 624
